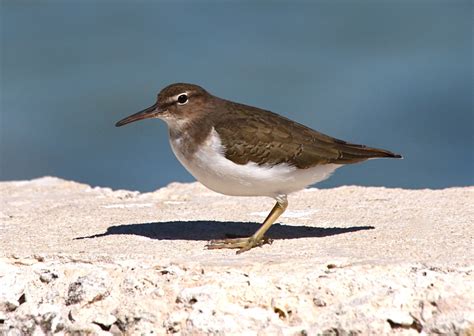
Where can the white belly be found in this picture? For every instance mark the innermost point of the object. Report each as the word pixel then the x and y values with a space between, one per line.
pixel 210 167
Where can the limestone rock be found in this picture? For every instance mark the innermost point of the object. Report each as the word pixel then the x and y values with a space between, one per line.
pixel 88 289
pixel 345 261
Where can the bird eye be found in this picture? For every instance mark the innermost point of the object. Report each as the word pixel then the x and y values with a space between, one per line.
pixel 182 99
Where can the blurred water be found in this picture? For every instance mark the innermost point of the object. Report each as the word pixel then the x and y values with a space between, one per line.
pixel 392 74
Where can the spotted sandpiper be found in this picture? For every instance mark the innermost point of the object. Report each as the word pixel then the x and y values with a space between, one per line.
pixel 241 150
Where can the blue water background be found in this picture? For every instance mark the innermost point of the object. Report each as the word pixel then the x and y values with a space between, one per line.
pixel 392 74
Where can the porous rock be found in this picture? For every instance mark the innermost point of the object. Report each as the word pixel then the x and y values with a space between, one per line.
pixel 344 261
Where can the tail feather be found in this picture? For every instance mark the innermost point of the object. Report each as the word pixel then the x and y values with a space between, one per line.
pixel 352 153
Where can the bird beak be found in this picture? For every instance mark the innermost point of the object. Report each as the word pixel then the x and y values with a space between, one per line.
pixel 150 112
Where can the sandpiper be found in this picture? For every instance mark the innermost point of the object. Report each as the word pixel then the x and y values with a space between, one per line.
pixel 241 150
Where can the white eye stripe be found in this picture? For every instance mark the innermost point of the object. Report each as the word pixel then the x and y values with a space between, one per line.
pixel 174 98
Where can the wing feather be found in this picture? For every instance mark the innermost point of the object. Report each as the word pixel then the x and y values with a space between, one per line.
pixel 267 138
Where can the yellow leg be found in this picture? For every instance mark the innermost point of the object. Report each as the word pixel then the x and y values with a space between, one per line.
pixel 257 239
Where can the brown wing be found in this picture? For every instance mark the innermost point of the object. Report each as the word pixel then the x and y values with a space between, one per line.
pixel 264 137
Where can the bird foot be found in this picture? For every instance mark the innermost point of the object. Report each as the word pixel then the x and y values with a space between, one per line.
pixel 243 244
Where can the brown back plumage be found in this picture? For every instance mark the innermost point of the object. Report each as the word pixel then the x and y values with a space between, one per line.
pixel 264 137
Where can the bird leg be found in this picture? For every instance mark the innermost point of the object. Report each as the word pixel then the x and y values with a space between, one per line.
pixel 257 239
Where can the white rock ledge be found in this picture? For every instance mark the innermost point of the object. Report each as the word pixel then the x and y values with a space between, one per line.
pixel 345 261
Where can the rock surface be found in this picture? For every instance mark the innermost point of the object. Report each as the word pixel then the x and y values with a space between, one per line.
pixel 345 261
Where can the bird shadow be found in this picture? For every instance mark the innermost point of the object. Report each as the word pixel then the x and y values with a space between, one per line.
pixel 208 230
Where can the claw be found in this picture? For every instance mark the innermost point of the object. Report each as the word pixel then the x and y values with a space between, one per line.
pixel 243 244
pixel 257 239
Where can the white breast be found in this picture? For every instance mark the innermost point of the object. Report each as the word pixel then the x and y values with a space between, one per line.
pixel 210 167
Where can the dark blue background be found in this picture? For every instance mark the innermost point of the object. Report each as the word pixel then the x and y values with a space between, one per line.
pixel 392 74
